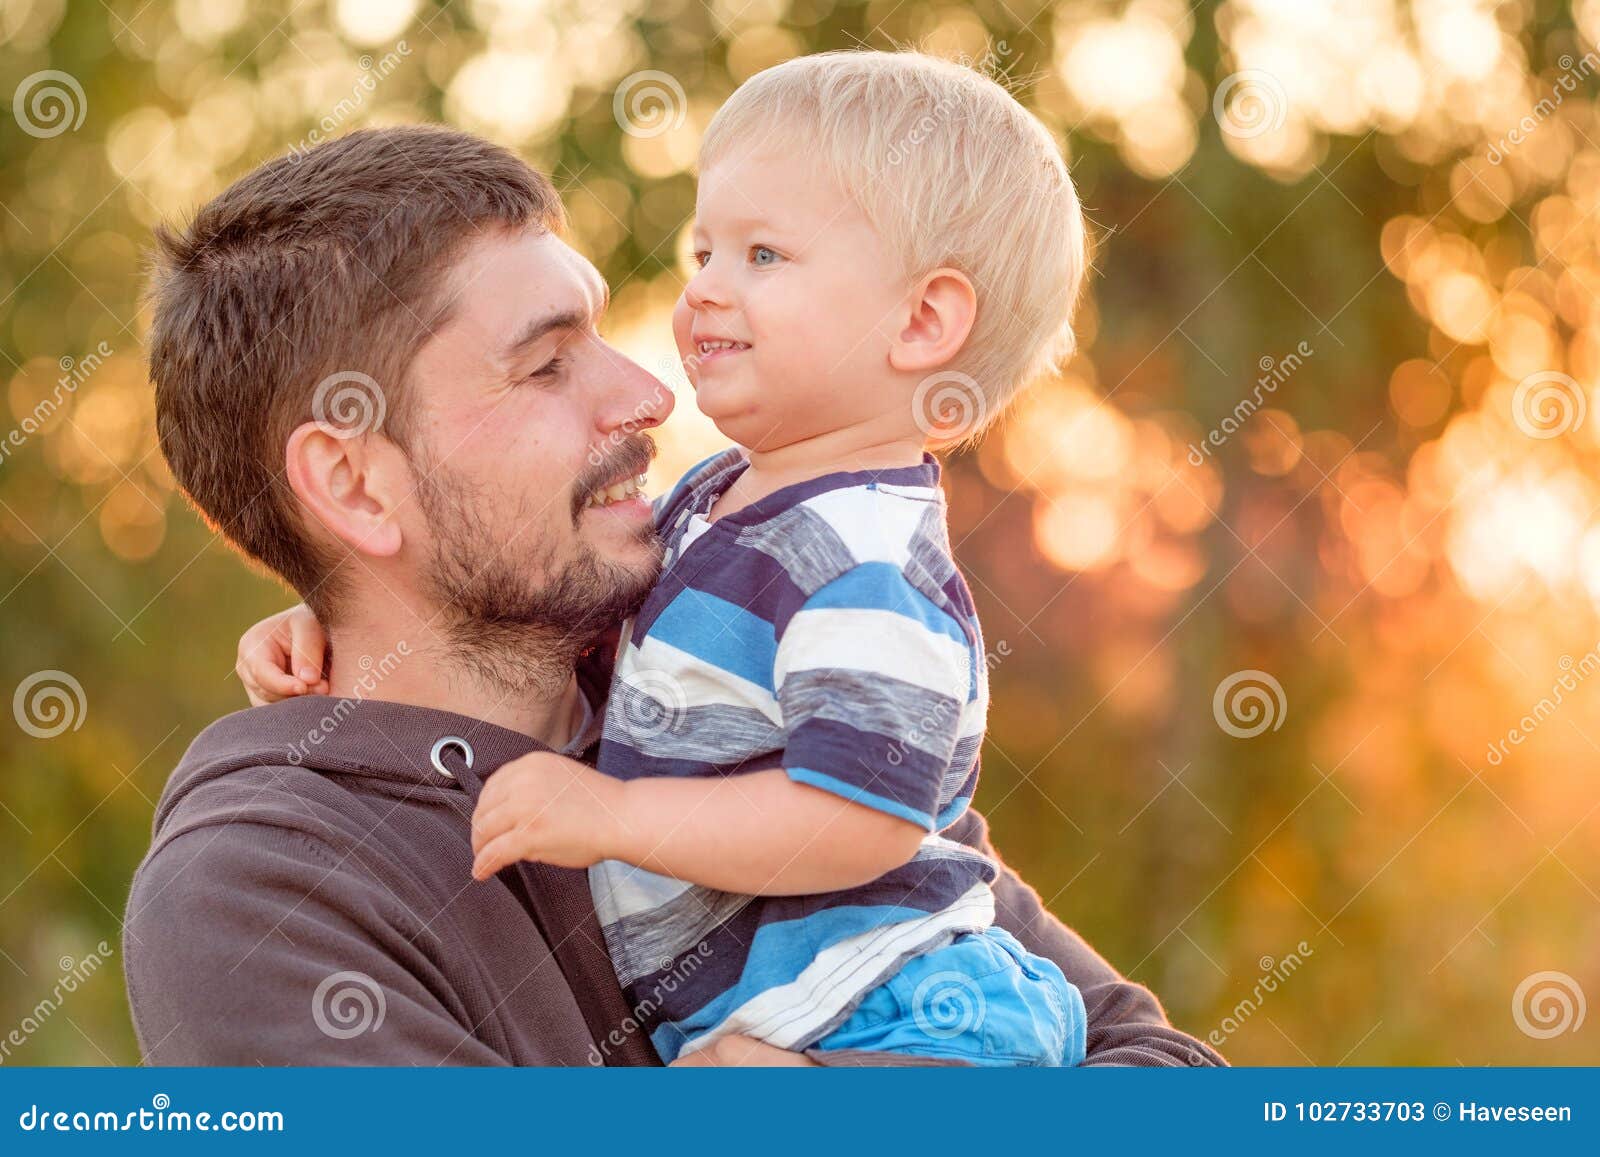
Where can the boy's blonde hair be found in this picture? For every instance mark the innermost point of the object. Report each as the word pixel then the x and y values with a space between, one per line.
pixel 951 171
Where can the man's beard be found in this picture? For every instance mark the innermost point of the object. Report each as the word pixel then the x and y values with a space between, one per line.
pixel 516 617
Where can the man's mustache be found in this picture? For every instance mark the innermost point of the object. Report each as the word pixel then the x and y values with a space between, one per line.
pixel 632 456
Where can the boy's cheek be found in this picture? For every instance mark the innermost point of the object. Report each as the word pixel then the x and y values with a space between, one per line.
pixel 682 322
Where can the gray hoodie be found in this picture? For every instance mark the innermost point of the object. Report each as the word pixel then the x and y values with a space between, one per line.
pixel 307 899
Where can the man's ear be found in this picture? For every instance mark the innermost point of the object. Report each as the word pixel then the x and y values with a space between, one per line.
pixel 942 307
pixel 350 484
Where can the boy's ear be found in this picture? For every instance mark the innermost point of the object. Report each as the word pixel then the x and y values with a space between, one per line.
pixel 942 308
pixel 351 484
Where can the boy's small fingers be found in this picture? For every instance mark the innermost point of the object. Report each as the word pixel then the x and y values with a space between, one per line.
pixel 484 865
pixel 307 648
pixel 281 683
pixel 496 854
pixel 485 827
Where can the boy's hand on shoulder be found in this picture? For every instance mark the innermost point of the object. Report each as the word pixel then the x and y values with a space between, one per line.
pixel 545 807
pixel 283 656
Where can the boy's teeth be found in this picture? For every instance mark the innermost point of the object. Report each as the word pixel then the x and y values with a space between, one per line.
pixel 707 347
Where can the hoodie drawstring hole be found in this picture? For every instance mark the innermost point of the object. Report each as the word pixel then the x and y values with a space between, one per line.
pixel 439 748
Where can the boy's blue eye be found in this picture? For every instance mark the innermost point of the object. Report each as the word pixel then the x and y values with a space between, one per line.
pixel 761 255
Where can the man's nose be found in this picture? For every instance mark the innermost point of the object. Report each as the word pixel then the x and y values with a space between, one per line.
pixel 638 400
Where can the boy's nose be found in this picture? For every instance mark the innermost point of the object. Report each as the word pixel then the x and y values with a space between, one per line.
pixel 703 289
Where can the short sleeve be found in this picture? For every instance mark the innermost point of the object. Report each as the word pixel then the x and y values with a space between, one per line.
pixel 872 681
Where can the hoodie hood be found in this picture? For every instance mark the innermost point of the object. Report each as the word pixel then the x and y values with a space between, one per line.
pixel 414 749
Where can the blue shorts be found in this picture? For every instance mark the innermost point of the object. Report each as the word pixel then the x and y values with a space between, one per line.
pixel 983 999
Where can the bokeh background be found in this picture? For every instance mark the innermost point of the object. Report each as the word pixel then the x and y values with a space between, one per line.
pixel 1289 580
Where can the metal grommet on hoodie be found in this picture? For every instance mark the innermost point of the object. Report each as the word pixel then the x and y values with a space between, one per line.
pixel 437 754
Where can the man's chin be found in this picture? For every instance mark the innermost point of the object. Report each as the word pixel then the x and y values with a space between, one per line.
pixel 633 556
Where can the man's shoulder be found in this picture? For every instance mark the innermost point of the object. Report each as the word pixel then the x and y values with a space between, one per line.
pixel 238 772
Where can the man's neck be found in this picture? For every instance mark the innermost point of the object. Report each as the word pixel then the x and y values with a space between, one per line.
pixel 517 687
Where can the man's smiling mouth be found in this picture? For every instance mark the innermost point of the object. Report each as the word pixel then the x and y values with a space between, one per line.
pixel 616 492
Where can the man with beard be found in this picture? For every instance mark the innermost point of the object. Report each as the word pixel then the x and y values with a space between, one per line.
pixel 378 372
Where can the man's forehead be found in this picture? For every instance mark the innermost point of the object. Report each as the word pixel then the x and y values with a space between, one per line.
pixel 578 272
pixel 540 261
pixel 506 278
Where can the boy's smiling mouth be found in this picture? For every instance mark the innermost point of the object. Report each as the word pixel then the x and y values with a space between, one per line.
pixel 710 349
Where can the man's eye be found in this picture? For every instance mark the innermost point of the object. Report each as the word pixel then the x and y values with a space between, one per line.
pixel 761 255
pixel 701 257
pixel 547 371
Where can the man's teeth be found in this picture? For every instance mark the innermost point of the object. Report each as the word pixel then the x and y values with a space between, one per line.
pixel 617 492
pixel 711 347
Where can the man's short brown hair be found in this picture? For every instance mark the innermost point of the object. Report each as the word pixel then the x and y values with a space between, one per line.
pixel 329 264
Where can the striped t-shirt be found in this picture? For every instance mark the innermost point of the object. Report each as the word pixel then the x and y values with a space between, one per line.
pixel 824 630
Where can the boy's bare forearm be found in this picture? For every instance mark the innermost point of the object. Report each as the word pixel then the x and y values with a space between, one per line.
pixel 760 833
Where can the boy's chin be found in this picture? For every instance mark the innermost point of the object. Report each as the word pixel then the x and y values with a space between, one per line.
pixel 726 405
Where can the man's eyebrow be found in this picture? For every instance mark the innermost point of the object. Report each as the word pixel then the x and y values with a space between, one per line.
pixel 537 328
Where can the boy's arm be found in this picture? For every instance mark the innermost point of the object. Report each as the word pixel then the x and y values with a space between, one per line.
pixel 759 833
pixel 872 679
pixel 762 834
